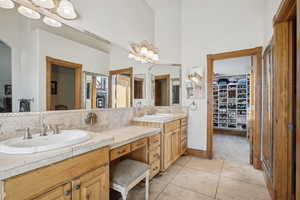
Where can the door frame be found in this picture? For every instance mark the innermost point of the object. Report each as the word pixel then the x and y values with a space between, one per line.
pixel 78 73
pixel 120 71
pixel 257 89
pixel 168 79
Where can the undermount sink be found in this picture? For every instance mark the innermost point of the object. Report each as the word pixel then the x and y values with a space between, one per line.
pixel 43 143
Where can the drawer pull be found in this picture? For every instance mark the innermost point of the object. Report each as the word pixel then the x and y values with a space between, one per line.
pixel 77 187
pixel 156 168
pixel 67 192
pixel 121 152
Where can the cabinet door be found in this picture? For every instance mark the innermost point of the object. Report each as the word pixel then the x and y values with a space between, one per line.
pixel 60 193
pixel 92 186
pixel 168 155
pixel 175 146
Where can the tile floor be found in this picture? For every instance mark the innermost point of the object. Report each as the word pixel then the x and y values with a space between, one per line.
pixel 192 178
pixel 232 148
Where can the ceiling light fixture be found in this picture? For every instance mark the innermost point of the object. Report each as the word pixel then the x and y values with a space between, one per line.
pixel 66 10
pixel 27 12
pixel 48 4
pixel 7 4
pixel 144 52
pixel 51 22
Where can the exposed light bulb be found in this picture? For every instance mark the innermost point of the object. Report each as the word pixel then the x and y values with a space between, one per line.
pixel 49 4
pixel 144 50
pixel 66 10
pixel 7 4
pixel 51 22
pixel 27 12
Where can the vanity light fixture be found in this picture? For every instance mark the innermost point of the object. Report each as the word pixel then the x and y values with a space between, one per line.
pixel 51 22
pixel 48 4
pixel 144 52
pixel 7 4
pixel 28 12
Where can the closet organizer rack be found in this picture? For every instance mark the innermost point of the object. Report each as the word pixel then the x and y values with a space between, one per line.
pixel 231 102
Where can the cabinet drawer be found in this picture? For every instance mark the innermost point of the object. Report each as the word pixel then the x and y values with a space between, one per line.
pixel 139 144
pixel 154 155
pixel 37 182
pixel 172 126
pixel 183 122
pixel 183 146
pixel 120 151
pixel 183 134
pixel 154 141
pixel 155 168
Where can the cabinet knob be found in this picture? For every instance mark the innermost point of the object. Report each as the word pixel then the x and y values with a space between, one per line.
pixel 77 187
pixel 67 192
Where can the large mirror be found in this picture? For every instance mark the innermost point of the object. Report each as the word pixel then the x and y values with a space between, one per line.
pixel 43 68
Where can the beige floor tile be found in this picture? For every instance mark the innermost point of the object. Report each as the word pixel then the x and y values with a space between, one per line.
pixel 156 187
pixel 230 189
pixel 206 165
pixel 170 173
pixel 242 172
pixel 197 181
pixel 174 192
pixel 183 160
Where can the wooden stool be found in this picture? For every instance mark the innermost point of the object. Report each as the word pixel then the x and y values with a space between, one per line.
pixel 128 173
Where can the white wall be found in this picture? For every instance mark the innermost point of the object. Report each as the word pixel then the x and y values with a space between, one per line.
pixel 119 21
pixel 270 7
pixel 213 27
pixel 168 29
pixel 233 66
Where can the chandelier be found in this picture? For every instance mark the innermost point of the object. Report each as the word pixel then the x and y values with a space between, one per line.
pixel 59 9
pixel 144 52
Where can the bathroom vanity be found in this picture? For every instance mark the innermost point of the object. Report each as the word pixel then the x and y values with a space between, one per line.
pixel 173 136
pixel 81 171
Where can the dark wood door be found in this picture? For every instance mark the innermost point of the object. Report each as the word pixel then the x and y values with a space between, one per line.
pixel 267 114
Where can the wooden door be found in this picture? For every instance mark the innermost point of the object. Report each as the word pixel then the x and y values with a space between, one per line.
pixel 92 186
pixel 60 193
pixel 168 155
pixel 267 114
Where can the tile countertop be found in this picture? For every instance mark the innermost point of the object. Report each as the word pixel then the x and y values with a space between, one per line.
pixel 161 119
pixel 12 165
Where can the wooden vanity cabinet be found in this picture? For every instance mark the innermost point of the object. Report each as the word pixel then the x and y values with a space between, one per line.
pixel 171 143
pixel 85 177
pixel 154 154
pixel 183 136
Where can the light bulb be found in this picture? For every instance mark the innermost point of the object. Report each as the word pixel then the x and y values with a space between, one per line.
pixel 144 50
pixel 27 12
pixel 66 10
pixel 51 22
pixel 130 55
pixel 150 54
pixel 49 4
pixel 155 57
pixel 7 4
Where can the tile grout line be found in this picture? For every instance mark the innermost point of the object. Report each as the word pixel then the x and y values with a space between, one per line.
pixel 219 180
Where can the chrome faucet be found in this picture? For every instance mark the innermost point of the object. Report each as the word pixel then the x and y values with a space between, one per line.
pixel 91 118
pixel 56 129
pixel 45 129
pixel 27 133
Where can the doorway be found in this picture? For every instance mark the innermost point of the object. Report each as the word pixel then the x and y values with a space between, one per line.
pixel 253 128
pixel 121 88
pixel 63 85
pixel 162 90
pixel 5 79
pixel 231 93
